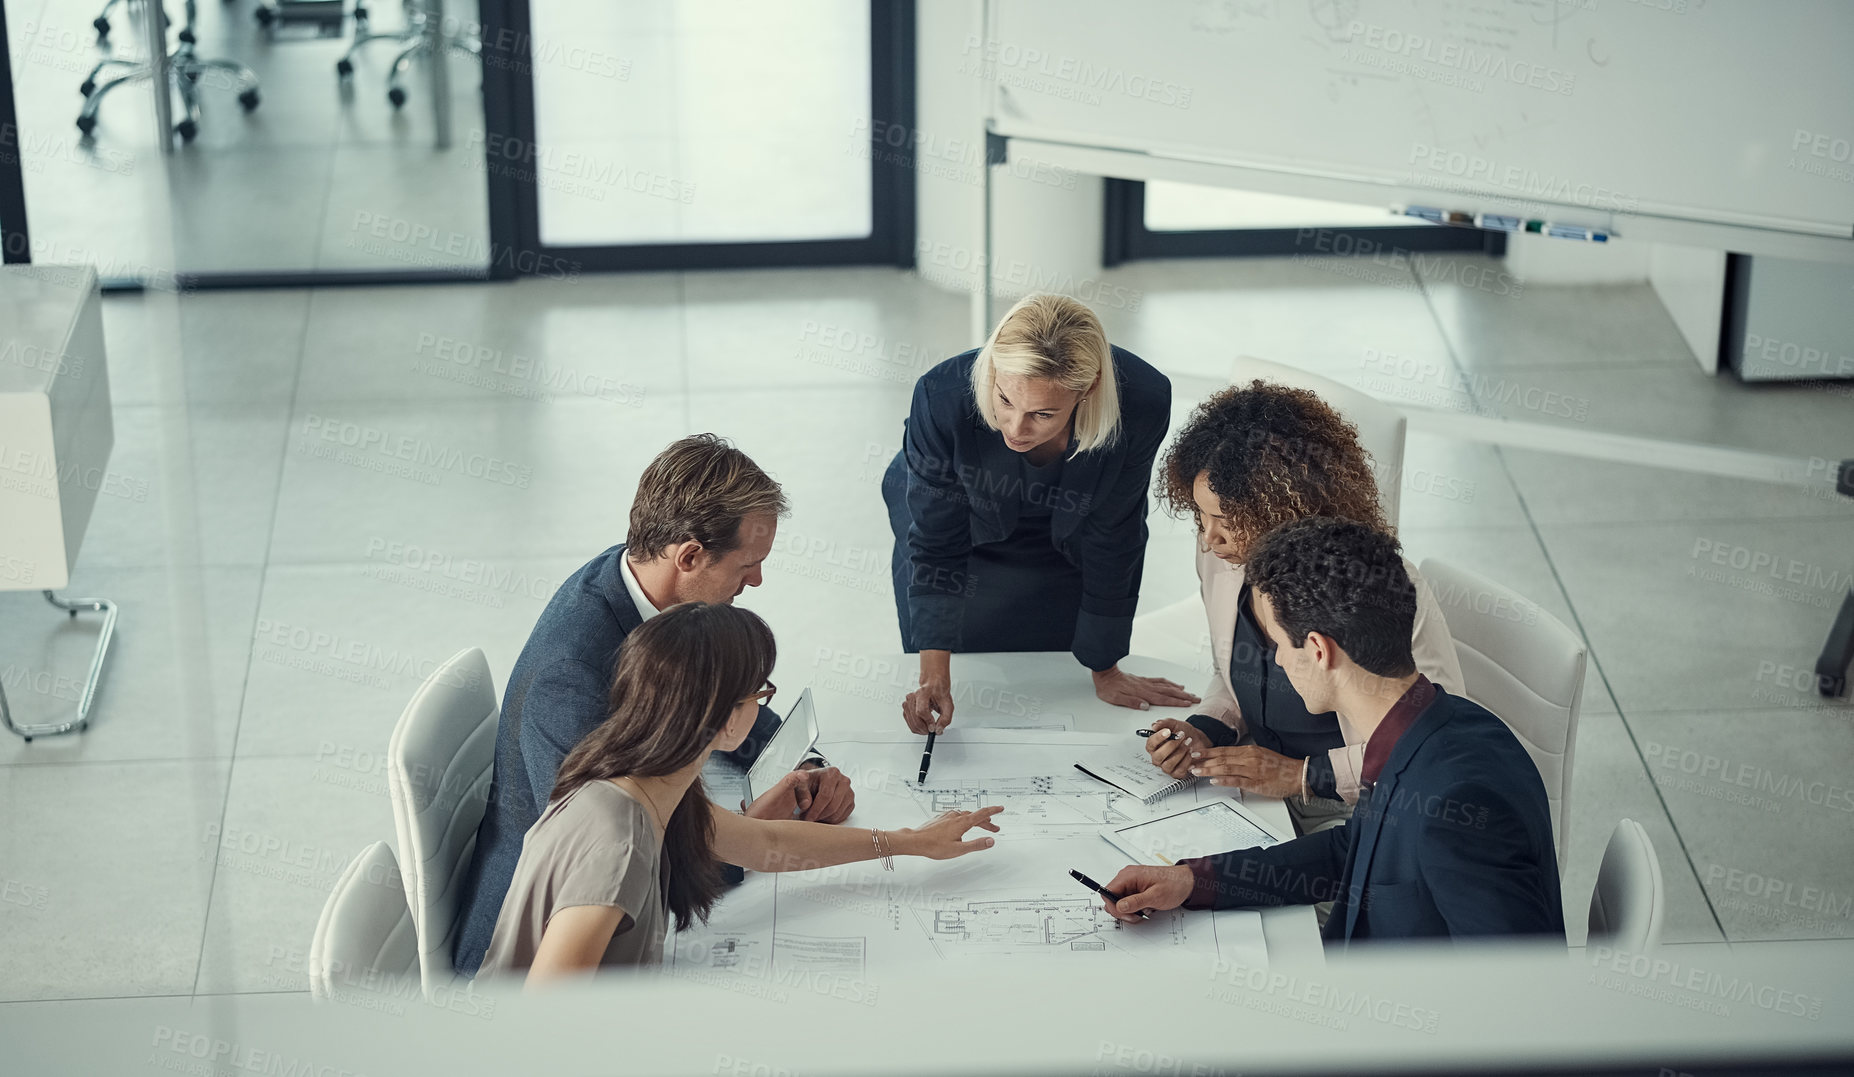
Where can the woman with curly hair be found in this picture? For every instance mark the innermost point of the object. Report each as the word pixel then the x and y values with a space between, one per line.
pixel 1250 459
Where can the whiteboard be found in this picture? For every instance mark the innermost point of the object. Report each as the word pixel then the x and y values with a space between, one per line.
pixel 1717 112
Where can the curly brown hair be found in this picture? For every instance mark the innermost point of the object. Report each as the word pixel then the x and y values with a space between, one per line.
pixel 1274 454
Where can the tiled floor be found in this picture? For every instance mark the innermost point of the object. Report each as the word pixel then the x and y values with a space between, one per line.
pixel 666 137
pixel 294 184
pixel 186 841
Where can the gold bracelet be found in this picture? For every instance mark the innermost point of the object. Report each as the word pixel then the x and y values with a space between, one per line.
pixel 887 858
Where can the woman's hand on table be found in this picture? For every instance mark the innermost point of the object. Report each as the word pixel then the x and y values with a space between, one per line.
pixel 1251 768
pixel 1123 689
pixel 1170 746
pixel 940 839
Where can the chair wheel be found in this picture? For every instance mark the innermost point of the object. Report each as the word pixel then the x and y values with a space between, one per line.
pixel 344 67
pixel 186 129
pixel 264 15
pixel 249 99
pixel 397 96
pixel 187 37
pixel 86 88
pixel 102 25
pixel 360 13
pixel 86 124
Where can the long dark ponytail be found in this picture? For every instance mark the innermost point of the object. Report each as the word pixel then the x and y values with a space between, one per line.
pixel 680 675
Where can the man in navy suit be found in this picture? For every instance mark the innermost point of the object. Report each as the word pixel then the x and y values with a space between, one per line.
pixel 1452 835
pixel 703 519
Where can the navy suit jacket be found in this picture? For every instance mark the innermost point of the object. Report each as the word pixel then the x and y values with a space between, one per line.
pixel 1453 840
pixel 961 493
pixel 558 692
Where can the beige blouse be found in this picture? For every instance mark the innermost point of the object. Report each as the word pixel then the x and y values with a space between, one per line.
pixel 596 847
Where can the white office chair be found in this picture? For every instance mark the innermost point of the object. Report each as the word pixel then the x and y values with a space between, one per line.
pixel 365 931
pixel 1524 665
pixel 1176 632
pixel 438 768
pixel 1628 905
pixel 1381 427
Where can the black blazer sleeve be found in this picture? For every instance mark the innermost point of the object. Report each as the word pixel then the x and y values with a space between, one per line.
pixel 1479 868
pixel 1303 871
pixel 1110 544
pixel 940 536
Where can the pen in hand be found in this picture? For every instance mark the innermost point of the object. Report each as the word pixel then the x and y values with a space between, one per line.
pixel 1106 893
pixel 926 759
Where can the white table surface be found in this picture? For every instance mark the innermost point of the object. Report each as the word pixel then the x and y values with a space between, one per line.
pixel 863 692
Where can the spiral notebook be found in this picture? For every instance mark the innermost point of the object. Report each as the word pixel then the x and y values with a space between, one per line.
pixel 1132 773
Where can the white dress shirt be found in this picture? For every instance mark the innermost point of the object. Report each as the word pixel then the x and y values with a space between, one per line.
pixel 645 609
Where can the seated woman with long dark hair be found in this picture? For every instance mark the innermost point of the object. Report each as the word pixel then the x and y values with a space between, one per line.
pixel 630 839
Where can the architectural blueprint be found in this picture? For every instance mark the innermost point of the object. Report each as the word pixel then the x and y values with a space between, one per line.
pixel 1043 924
pixel 1047 805
pixel 1013 901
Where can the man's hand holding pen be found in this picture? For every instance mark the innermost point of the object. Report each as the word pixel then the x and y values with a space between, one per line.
pixel 1146 887
pixel 1169 745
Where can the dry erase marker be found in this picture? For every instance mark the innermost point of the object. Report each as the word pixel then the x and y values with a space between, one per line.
pixel 1097 888
pixel 1434 216
pixel 1576 231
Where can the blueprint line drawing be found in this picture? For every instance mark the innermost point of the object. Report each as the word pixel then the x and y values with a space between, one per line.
pixel 844 954
pixel 1039 802
pixel 1032 924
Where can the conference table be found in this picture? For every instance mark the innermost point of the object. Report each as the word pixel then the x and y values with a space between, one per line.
pixel 1033 707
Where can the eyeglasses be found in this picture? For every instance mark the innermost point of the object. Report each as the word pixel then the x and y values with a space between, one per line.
pixel 764 695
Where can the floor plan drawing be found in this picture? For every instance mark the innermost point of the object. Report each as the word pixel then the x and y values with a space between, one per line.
pixel 1045 803
pixel 729 951
pixel 844 928
pixel 1041 924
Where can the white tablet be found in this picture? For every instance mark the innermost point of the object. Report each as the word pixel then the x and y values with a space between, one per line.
pixel 796 736
pixel 1216 827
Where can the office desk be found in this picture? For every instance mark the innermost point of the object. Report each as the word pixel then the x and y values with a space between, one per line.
pixel 55 441
pixel 1020 698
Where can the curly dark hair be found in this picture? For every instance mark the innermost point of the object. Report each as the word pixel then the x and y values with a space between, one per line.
pixel 1345 581
pixel 1274 454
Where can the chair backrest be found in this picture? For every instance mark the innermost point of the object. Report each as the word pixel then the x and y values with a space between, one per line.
pixel 1627 906
pixel 438 768
pixel 1381 426
pixel 365 931
pixel 1524 665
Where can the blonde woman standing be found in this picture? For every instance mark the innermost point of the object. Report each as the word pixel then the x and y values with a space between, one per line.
pixel 1018 504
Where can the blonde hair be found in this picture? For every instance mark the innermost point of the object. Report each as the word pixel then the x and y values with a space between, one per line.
pixel 1058 339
